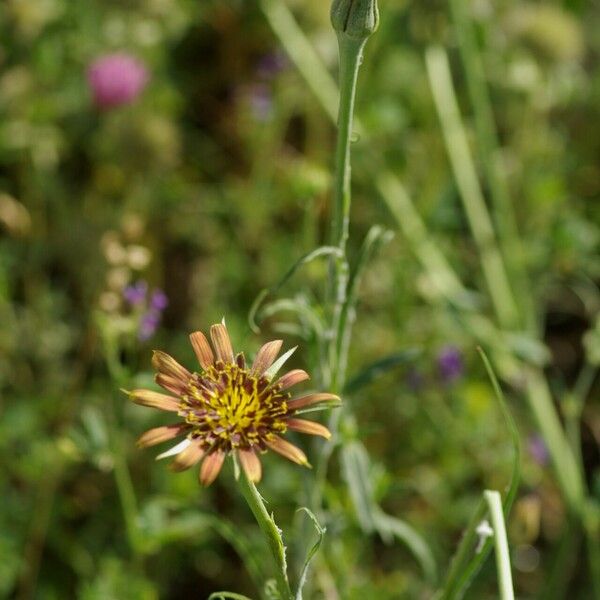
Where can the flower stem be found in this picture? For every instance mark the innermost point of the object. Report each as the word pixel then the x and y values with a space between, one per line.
pixel 502 555
pixel 350 59
pixel 270 530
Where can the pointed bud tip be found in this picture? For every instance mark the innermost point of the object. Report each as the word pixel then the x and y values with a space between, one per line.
pixel 357 19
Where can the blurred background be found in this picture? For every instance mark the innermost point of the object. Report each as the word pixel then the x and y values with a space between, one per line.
pixel 163 161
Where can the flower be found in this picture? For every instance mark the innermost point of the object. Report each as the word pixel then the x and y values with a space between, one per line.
pixel 136 293
pixel 148 312
pixel 229 408
pixel 537 449
pixel 116 79
pixel 450 364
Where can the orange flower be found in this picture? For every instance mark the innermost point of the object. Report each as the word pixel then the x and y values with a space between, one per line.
pixel 229 407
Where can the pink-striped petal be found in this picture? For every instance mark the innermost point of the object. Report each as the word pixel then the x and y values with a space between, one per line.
pixel 288 450
pixel 222 342
pixel 291 378
pixel 160 434
pixel 166 364
pixel 188 457
pixel 154 400
pixel 265 357
pixel 171 384
pixel 211 467
pixel 310 427
pixel 313 400
pixel 202 349
pixel 251 464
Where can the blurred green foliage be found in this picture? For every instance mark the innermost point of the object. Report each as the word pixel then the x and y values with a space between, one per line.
pixel 210 186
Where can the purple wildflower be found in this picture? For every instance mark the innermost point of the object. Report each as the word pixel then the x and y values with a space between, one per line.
pixel 261 102
pixel 270 65
pixel 116 79
pixel 136 293
pixel 450 364
pixel 149 324
pixel 159 300
pixel 537 449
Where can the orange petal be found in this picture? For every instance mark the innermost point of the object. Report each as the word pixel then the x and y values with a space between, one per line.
pixel 221 342
pixel 288 450
pixel 265 357
pixel 166 364
pixel 154 400
pixel 310 400
pixel 304 426
pixel 171 384
pixel 292 378
pixel 188 457
pixel 202 349
pixel 160 434
pixel 251 464
pixel 211 467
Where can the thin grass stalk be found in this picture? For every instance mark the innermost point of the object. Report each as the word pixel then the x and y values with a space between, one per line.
pixel 496 277
pixel 488 145
pixel 505 584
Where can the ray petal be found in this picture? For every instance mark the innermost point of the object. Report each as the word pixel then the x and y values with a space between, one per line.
pixel 171 384
pixel 221 342
pixel 175 449
pixel 154 400
pixel 202 349
pixel 310 427
pixel 292 378
pixel 312 400
pixel 211 467
pixel 288 450
pixel 265 356
pixel 251 464
pixel 158 435
pixel 166 364
pixel 188 457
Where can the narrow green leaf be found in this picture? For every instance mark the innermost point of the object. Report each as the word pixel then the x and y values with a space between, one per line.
pixel 303 260
pixel 312 551
pixel 227 595
pixel 468 560
pixel 380 367
pixel 388 525
pixel 355 466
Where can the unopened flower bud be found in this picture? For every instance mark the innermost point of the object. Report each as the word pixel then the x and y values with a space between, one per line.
pixel 357 19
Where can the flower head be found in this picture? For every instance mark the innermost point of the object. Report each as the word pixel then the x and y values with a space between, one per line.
pixel 116 79
pixel 450 364
pixel 229 407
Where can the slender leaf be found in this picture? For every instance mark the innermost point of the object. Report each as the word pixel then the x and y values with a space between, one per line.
pixel 392 526
pixel 312 551
pixel 380 367
pixel 468 560
pixel 303 260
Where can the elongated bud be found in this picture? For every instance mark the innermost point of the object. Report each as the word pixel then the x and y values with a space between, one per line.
pixel 357 19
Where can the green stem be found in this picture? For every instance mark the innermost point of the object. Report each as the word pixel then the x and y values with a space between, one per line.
pixel 350 51
pixel 496 276
pixel 123 480
pixel 568 470
pixel 270 530
pixel 505 584
pixel 488 145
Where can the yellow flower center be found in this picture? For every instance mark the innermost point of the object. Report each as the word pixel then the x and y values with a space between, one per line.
pixel 228 407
